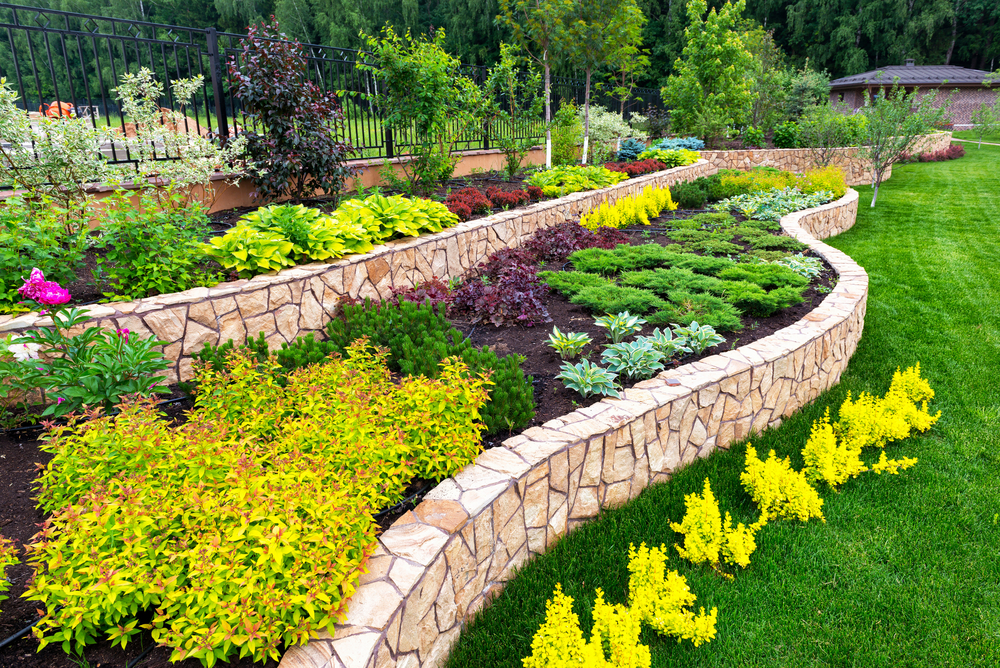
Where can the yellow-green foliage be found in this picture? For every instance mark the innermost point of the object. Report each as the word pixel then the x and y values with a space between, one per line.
pixel 780 491
pixel 663 599
pixel 757 180
pixel 264 502
pixel 657 597
pixel 8 557
pixel 833 452
pixel 706 537
pixel 671 157
pixel 829 178
pixel 630 210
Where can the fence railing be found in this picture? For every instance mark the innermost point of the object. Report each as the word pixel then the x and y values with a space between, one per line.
pixel 62 57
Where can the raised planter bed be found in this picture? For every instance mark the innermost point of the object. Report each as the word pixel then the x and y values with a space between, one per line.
pixel 440 563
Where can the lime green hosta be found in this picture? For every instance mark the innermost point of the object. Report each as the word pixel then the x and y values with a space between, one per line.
pixel 560 181
pixel 250 251
pixel 384 217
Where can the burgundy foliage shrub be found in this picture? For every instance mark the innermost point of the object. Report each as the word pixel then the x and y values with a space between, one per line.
pixel 472 198
pixel 556 243
pixel 636 168
pixel 503 199
pixel 435 290
pixel 514 296
pixel 535 193
pixel 952 152
pixel 292 124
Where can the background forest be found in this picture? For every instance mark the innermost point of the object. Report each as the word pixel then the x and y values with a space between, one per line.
pixel 841 36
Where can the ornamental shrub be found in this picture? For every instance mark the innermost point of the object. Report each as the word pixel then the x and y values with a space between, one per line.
pixel 570 283
pixel 833 452
pixel 152 248
pixel 630 210
pixel 615 299
pixel 514 296
pixel 292 126
pixel 829 178
pixel 268 509
pixel 786 135
pixel 657 598
pixel 472 198
pixel 507 199
pixel 677 143
pixel 675 158
pixel 635 168
pixel 707 538
pixel 567 135
pixel 780 491
pixel 556 243
pixel 8 557
pixel 629 149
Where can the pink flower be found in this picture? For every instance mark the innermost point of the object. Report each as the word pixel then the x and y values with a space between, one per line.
pixel 47 293
pixel 123 333
pixel 59 400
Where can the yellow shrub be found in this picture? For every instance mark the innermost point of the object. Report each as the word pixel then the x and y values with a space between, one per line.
pixel 755 181
pixel 559 642
pixel 833 452
pixel 706 537
pixel 779 491
pixel 827 460
pixel 630 210
pixel 8 557
pixel 829 178
pixel 617 628
pixel 662 598
pixel 266 503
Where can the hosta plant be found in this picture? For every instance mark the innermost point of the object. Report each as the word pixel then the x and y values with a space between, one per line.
pixel 620 326
pixel 568 345
pixel 636 360
pixel 394 216
pixel 698 338
pixel 314 235
pixel 560 181
pixel 250 251
pixel 588 379
pixel 666 343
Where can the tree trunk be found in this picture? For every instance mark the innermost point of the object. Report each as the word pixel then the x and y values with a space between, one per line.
pixel 954 33
pixel 586 117
pixel 548 109
pixel 874 197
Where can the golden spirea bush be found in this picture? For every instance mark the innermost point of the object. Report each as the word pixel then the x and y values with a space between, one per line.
pixel 8 557
pixel 657 597
pixel 833 453
pixel 779 491
pixel 246 528
pixel 707 537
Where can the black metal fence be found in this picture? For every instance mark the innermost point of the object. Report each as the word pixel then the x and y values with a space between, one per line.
pixel 61 57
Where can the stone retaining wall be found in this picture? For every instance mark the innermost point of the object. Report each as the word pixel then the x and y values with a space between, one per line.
pixel 801 159
pixel 302 299
pixel 436 566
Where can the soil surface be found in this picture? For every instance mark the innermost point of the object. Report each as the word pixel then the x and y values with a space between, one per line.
pixel 21 458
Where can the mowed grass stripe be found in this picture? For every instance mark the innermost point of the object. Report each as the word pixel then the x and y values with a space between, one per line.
pixel 906 570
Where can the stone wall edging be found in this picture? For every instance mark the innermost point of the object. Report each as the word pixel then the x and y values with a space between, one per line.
pixel 801 159
pixel 301 299
pixel 439 564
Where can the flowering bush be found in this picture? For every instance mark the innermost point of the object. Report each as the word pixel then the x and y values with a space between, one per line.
pixel 46 293
pixel 275 520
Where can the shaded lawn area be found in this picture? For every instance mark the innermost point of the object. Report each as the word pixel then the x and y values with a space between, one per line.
pixel 906 569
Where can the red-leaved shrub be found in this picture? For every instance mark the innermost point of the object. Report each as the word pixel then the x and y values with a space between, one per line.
pixel 950 153
pixel 470 197
pixel 556 243
pixel 636 168
pixel 435 290
pixel 535 193
pixel 514 296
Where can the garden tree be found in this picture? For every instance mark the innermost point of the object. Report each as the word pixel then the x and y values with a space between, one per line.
pixel 986 119
pixel 426 99
pixel 633 65
pixel 605 32
pixel 807 88
pixel 539 27
pixel 293 126
pixel 710 91
pixel 770 79
pixel 823 128
pixel 894 121
pixel 513 101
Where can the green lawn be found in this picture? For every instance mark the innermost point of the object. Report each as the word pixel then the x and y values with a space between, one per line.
pixel 906 569
pixel 974 136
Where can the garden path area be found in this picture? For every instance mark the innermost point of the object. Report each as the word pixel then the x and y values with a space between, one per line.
pixel 906 569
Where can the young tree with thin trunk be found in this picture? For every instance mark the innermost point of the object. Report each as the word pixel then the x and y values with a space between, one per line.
pixel 605 32
pixel 539 27
pixel 895 121
pixel 986 120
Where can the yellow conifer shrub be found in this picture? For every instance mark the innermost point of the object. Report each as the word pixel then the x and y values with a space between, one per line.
pixel 617 628
pixel 662 598
pixel 780 491
pixel 630 210
pixel 833 452
pixel 559 642
pixel 706 537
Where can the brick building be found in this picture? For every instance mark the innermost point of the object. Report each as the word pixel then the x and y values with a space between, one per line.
pixel 965 87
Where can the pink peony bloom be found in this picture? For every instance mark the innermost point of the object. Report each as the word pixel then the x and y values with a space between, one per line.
pixel 47 293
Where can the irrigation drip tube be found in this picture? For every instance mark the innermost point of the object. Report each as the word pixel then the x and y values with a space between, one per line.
pixel 20 633
pixel 135 662
pixel 411 499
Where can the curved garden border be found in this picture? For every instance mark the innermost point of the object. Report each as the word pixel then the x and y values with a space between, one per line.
pixel 436 566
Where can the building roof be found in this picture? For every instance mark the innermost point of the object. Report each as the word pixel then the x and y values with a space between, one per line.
pixel 913 75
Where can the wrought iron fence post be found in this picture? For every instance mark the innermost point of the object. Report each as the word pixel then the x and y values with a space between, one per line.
pixel 389 152
pixel 215 71
pixel 486 125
